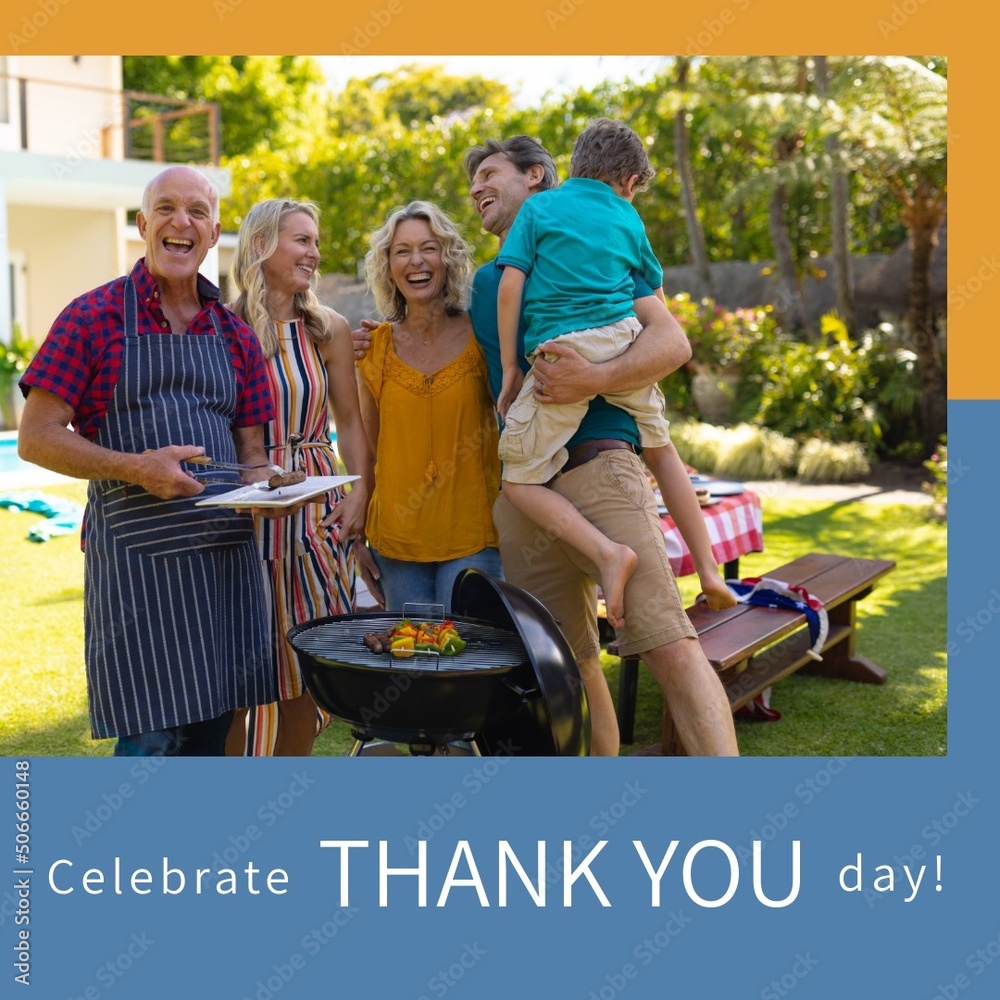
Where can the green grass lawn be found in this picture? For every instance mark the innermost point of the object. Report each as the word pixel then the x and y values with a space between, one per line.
pixel 901 626
pixel 43 702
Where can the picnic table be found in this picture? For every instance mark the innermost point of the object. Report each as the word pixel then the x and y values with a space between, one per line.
pixel 735 527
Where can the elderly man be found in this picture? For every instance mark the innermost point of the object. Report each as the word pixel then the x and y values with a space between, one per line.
pixel 605 479
pixel 151 371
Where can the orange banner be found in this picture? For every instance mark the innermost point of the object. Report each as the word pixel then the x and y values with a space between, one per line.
pixel 545 27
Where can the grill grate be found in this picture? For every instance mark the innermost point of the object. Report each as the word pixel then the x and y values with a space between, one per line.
pixel 340 641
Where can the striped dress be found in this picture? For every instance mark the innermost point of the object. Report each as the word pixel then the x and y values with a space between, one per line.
pixel 308 573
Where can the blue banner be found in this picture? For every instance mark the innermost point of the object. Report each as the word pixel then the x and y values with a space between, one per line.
pixel 411 878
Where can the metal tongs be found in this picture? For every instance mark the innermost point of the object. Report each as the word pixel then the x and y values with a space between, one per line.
pixel 235 466
pixel 261 474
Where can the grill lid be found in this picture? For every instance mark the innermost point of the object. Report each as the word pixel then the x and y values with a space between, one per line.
pixel 557 721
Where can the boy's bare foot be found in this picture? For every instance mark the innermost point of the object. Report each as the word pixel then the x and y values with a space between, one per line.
pixel 616 569
pixel 717 595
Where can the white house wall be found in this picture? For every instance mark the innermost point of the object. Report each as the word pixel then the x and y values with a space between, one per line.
pixel 66 252
pixel 63 200
pixel 74 106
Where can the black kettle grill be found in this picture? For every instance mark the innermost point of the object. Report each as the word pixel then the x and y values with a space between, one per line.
pixel 515 690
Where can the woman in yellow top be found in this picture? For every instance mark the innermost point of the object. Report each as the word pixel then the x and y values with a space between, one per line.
pixel 428 413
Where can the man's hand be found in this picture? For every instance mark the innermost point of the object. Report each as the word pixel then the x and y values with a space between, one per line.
pixel 659 349
pixel 362 337
pixel 563 375
pixel 159 472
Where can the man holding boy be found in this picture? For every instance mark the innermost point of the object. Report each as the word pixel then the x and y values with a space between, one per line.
pixel 585 299
pixel 604 479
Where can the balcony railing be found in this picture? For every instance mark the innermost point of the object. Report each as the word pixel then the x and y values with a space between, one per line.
pixel 52 117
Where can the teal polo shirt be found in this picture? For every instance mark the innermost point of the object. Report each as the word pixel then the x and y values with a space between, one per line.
pixel 579 244
pixel 602 420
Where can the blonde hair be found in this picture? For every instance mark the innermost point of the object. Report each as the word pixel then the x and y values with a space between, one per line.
pixel 455 254
pixel 257 240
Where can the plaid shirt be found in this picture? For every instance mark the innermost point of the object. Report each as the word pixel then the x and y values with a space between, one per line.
pixel 82 355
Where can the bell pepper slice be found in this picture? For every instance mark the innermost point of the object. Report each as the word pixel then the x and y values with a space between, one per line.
pixel 452 645
pixel 402 646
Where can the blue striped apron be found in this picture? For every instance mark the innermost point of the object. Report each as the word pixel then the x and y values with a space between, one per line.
pixel 175 626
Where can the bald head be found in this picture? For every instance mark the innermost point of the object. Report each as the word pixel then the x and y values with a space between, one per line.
pixel 187 176
pixel 179 223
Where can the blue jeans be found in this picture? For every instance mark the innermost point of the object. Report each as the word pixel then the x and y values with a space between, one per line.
pixel 195 739
pixel 405 582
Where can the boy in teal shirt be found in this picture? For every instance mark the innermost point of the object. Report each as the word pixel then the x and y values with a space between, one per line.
pixel 581 243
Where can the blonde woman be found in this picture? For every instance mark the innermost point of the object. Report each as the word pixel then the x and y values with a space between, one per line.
pixel 428 413
pixel 309 558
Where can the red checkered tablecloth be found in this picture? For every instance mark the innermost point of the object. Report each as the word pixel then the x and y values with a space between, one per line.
pixel 735 527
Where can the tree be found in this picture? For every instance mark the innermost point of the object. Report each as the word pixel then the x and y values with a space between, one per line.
pixel 413 96
pixel 682 153
pixel 839 211
pixel 897 120
pixel 266 102
pixel 778 119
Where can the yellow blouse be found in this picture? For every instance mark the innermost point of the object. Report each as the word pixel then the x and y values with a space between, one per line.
pixel 437 473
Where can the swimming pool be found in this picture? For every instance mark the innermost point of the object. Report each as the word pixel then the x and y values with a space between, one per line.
pixel 15 472
pixel 9 462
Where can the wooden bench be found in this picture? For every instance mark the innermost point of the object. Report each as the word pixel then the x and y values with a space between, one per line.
pixel 753 647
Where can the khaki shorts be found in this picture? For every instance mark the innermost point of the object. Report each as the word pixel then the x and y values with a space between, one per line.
pixel 612 491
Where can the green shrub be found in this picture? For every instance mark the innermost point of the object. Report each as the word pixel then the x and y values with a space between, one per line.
pixel 747 452
pixel 696 443
pixel 734 340
pixel 829 391
pixel 741 452
pixel 937 488
pixel 895 387
pixel 827 462
pixel 725 339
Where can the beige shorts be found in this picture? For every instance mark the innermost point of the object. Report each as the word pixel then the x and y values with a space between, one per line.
pixel 532 444
pixel 612 491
